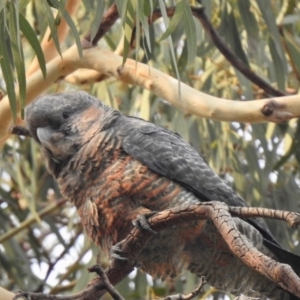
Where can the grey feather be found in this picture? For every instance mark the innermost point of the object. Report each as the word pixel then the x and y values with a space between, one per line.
pixel 168 154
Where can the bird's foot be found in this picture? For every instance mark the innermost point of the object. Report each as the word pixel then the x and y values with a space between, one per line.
pixel 116 251
pixel 141 222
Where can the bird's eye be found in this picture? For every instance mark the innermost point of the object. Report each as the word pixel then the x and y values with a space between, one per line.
pixel 65 115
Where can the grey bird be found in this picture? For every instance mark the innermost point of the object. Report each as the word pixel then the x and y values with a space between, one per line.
pixel 115 168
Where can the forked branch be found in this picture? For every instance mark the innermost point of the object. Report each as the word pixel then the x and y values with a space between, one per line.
pixel 221 215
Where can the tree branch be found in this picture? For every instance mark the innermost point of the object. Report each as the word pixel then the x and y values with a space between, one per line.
pixel 235 61
pixel 5 294
pixel 164 86
pixel 107 21
pixel 108 286
pixel 161 84
pixel 219 213
pixel 87 76
pixel 29 221
pixel 230 55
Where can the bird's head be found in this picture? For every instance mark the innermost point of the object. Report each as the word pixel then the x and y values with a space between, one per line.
pixel 62 123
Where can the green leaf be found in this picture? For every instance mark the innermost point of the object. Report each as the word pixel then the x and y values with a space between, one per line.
pixel 89 5
pixel 23 4
pixel 145 24
pixel 122 7
pixel 65 14
pixel 166 22
pixel 183 59
pixel 190 30
pixel 31 37
pixel 177 17
pixel 52 22
pixel 293 49
pixel 279 65
pixel 14 13
pixel 98 17
pixel 270 19
pixel 18 55
pixel 6 63
pixel 137 28
pixel 147 6
pixel 246 85
pixel 128 25
pixel 229 31
pixel 248 19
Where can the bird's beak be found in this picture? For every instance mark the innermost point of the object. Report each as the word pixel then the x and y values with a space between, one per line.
pixel 44 135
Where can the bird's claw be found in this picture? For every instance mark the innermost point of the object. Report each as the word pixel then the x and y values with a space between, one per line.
pixel 116 252
pixel 142 223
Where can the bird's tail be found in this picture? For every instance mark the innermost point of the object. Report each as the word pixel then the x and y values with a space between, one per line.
pixel 284 256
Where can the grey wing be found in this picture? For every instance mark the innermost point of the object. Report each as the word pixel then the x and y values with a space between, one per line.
pixel 168 154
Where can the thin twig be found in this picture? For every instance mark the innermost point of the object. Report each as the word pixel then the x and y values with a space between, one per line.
pixel 108 286
pixel 32 219
pixel 20 130
pixel 191 295
pixel 230 55
pixel 109 18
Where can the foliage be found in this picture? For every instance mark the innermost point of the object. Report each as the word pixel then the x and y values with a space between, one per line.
pixel 50 253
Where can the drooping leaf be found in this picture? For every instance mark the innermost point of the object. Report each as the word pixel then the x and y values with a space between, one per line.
pixel 166 22
pixel 31 37
pixel 279 65
pixel 147 6
pixel 190 31
pixel 229 31
pixel 143 17
pixel 89 4
pixel 18 55
pixel 51 21
pixel 100 5
pixel 293 50
pixel 270 19
pixel 128 26
pixel 248 19
pixel 6 63
pixel 61 5
pixel 122 7
pixel 176 18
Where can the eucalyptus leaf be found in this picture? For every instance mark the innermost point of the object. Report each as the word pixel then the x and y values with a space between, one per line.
pixel 176 18
pixel 166 22
pixel 190 31
pixel 143 18
pixel 269 17
pixel 229 31
pixel 30 35
pixel 52 22
pixel 65 14
pixel 248 19
pixel 18 55
pixel 128 22
pixel 6 63
pixel 279 65
pixel 100 6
